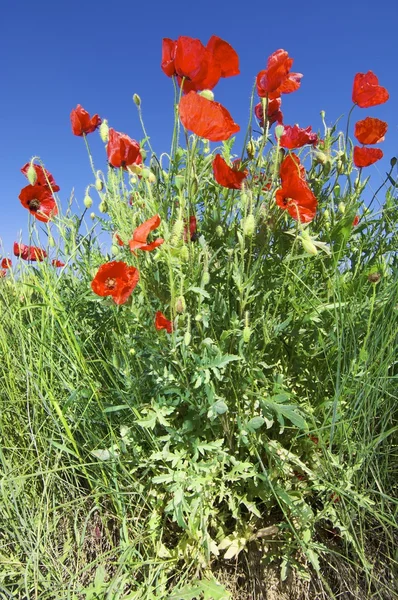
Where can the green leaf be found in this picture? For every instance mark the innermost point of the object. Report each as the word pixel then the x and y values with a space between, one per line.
pixel 221 361
pixel 255 423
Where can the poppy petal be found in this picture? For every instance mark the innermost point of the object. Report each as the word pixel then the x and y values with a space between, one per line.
pixel 367 92
pixel 364 157
pixel 227 176
pixel 206 118
pixel 370 130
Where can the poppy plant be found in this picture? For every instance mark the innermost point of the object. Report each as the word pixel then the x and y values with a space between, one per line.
pixel 370 130
pixel 206 118
pixel 122 151
pixel 6 263
pixel 82 123
pixel 43 177
pixel 364 157
pixel 367 92
pixel 229 177
pixel 140 235
pixel 39 202
pixel 273 112
pixel 57 263
pixel 115 279
pixel 29 252
pixel 191 229
pixel 3 273
pixel 277 79
pixel 296 197
pixel 295 137
pixel 198 67
pixel 161 322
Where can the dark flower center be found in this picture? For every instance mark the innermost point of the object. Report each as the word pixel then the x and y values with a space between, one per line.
pixel 110 283
pixel 34 204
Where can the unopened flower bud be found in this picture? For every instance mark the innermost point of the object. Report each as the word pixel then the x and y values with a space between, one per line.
pixel 308 245
pixel 180 305
pixel 187 338
pixel 88 202
pixel 208 94
pixel 51 241
pixel 249 226
pixel 279 129
pixel 104 131
pixel 115 249
pixel 374 277
pixel 137 100
pixel 251 149
pixel 184 253
pixel 99 185
pixel 326 214
pixel 92 216
pixel 393 161
pixel 177 231
pixel 219 231
pixel 143 154
pixel 205 278
pixel 31 174
pixel 341 207
pixel 133 180
pixel 103 207
pixel 132 351
pixel 246 334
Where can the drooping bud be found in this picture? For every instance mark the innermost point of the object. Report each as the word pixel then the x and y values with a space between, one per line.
pixel 187 338
pixel 104 131
pixel 308 244
pixel 249 225
pixel 99 185
pixel 88 202
pixel 92 216
pixel 137 100
pixel 279 129
pixel 251 149
pixel 31 174
pixel 393 161
pixel 103 207
pixel 180 305
pixel 208 94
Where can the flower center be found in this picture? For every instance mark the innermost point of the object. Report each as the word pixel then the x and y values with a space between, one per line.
pixel 110 283
pixel 34 204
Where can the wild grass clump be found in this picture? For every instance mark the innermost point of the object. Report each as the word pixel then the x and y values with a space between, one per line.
pixel 201 378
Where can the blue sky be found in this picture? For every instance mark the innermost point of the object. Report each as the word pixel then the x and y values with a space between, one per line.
pixel 54 55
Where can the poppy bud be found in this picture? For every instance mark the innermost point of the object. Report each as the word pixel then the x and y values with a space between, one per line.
pixel 103 207
pixel 341 207
pixel 374 278
pixel 180 305
pixel 92 216
pixel 208 94
pixel 177 231
pixel 246 334
pixel 132 351
pixel 251 149
pixel 198 318
pixel 336 190
pixel 308 244
pixel 219 231
pixel 88 202
pixel 326 214
pixel 104 131
pixel 205 278
pixel 143 153
pixel 137 100
pixel 279 129
pixel 51 241
pixel 133 180
pixel 393 161
pixel 187 338
pixel 115 249
pixel 184 253
pixel 31 174
pixel 99 185
pixel 194 185
pixel 249 226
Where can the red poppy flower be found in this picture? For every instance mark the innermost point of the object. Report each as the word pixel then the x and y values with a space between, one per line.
pixel 191 229
pixel 81 121
pixel 355 221
pixel 140 235
pixel 161 322
pixel 29 252
pixel 296 197
pixel 3 273
pixel 206 118
pixel 229 177
pixel 115 279
pixel 370 131
pixel 274 113
pixel 39 202
pixel 276 79
pixel 44 177
pixel 6 263
pixel 122 151
pixel 295 137
pixel 364 157
pixel 57 263
pixel 119 239
pixel 367 92
pixel 201 67
pixel 291 166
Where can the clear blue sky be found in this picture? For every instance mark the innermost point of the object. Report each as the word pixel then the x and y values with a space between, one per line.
pixel 56 54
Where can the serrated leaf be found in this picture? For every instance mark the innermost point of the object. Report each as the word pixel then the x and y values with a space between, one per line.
pixel 221 361
pixel 200 291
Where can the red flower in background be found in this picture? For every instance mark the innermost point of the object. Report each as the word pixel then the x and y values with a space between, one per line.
pixel 82 123
pixel 122 151
pixel 201 67
pixel 140 235
pixel 229 177
pixel 3 273
pixel 295 196
pixel 57 263
pixel 39 202
pixel 364 157
pixel 6 263
pixel 44 178
pixel 277 79
pixel 206 118
pixel 355 221
pixel 370 130
pixel 29 252
pixel 191 229
pixel 274 113
pixel 295 137
pixel 161 322
pixel 115 279
pixel 367 92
